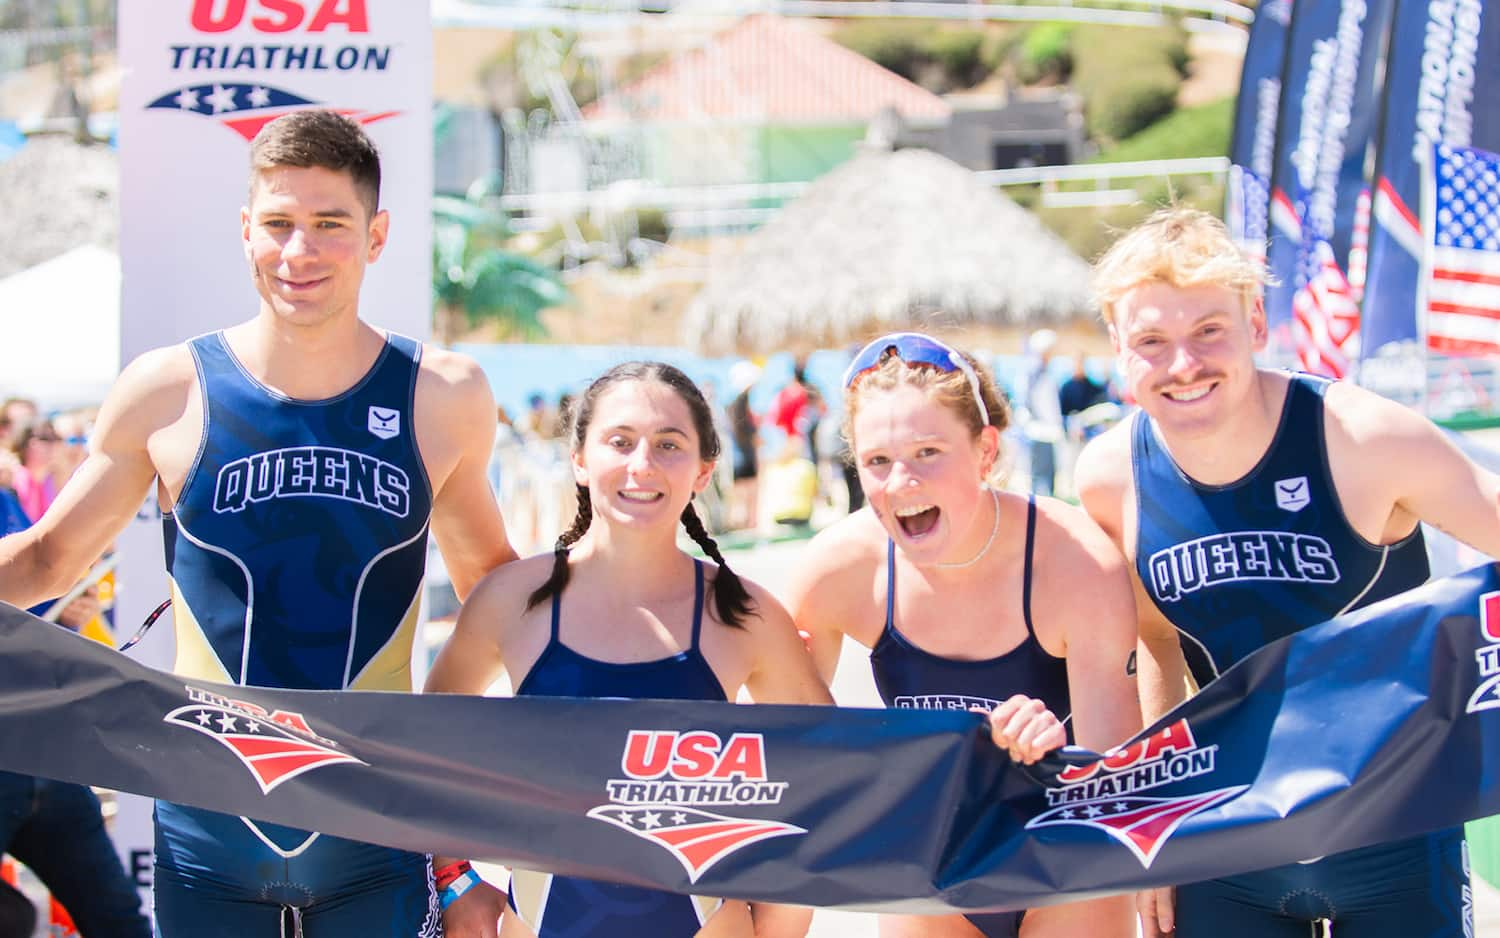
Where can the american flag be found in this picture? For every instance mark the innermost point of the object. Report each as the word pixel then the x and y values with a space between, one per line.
pixel 1463 264
pixel 1325 316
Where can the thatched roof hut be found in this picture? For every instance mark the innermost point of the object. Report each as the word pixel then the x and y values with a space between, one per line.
pixel 889 240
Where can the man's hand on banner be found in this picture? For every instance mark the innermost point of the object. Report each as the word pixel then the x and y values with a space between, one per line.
pixel 1026 729
pixel 1157 908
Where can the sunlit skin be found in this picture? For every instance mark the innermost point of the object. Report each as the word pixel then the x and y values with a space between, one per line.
pixel 640 461
pixel 308 238
pixel 1187 355
pixel 913 452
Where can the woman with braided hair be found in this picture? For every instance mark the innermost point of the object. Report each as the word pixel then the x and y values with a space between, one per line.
pixel 618 610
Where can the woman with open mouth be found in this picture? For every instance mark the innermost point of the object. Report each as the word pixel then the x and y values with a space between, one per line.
pixel 969 597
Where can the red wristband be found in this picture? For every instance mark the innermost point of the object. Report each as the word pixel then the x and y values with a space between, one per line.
pixel 444 876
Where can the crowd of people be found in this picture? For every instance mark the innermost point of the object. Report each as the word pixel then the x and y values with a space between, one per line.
pixel 965 593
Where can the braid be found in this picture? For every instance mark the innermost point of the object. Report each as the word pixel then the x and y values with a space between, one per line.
pixel 732 602
pixel 560 572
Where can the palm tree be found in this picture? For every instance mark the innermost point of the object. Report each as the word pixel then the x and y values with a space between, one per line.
pixel 474 279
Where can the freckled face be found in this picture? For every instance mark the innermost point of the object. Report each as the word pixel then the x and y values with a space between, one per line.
pixel 1188 353
pixel 922 471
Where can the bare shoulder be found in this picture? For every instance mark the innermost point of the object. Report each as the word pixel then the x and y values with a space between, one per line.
pixel 151 393
pixel 844 550
pixel 453 379
pixel 1362 417
pixel 1068 539
pixel 1103 478
pixel 504 591
pixel 1104 464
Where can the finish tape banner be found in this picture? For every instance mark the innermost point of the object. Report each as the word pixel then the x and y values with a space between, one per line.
pixel 1374 726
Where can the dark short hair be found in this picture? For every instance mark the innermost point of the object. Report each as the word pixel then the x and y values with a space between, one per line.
pixel 323 139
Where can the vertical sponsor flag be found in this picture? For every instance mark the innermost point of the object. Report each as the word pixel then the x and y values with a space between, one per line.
pixel 1325 125
pixel 1253 144
pixel 1462 269
pixel 1443 65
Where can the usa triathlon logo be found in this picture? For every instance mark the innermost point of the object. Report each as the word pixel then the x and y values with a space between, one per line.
pixel 671 778
pixel 276 747
pixel 244 107
pixel 1106 795
pixel 1487 695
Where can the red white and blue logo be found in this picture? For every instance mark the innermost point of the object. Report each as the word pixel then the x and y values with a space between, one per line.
pixel 275 746
pixel 1106 795
pixel 246 107
pixel 1487 695
pixel 670 776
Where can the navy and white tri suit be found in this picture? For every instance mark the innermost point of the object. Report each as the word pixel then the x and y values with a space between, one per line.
pixel 296 552
pixel 556 906
pixel 908 677
pixel 1237 566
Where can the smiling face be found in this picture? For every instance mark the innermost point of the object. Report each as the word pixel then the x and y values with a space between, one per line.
pixel 923 468
pixel 308 237
pixel 1187 354
pixel 640 457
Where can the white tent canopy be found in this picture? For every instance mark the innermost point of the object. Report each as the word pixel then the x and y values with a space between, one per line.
pixel 60 329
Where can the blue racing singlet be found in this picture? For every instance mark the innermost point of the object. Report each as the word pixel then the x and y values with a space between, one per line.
pixel 571 907
pixel 909 678
pixel 297 546
pixel 296 552
pixel 1235 567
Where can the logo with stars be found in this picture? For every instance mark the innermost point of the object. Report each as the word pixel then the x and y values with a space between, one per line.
pixel 246 108
pixel 275 746
pixel 1487 695
pixel 1105 795
pixel 669 779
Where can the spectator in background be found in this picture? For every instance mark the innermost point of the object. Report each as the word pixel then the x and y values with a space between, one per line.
pixel 32 476
pixel 538 422
pixel 798 408
pixel 746 438
pixel 19 413
pixel 1042 419
pixel 73 444
pixel 1079 392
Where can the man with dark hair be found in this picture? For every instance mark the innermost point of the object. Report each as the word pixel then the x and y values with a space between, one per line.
pixel 299 459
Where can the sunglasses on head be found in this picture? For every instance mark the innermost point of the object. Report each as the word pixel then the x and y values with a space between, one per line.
pixel 913 348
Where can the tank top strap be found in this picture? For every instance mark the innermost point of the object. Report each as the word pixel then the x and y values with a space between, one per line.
pixel 557 610
pixel 890 583
pixel 697 602
pixel 1027 565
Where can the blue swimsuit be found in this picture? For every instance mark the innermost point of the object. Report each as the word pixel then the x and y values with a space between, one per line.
pixel 296 553
pixel 908 677
pixel 1235 567
pixel 570 907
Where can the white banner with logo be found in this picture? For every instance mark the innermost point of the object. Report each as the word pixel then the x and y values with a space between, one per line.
pixel 200 78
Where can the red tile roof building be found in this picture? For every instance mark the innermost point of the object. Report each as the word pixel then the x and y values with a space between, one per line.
pixel 766 69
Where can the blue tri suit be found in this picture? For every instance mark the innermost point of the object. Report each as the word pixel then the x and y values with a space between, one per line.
pixel 1238 566
pixel 296 552
pixel 555 906
pixel 908 677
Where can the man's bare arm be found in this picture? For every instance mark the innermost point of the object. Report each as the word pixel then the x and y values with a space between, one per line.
pixel 109 487
pixel 456 430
